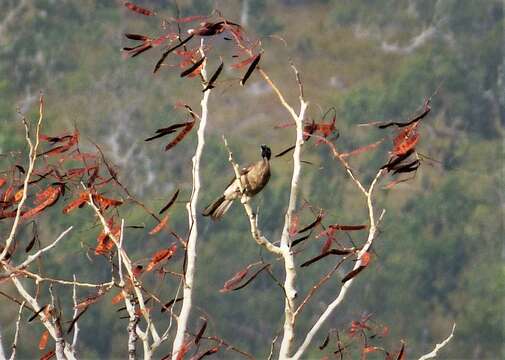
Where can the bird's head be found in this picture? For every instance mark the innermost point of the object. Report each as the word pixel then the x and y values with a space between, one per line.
pixel 266 153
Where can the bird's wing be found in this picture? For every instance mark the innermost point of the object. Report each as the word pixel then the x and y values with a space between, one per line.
pixel 232 186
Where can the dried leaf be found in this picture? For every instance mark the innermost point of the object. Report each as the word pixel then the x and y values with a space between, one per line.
pixel 251 68
pixel 161 255
pixel 325 342
pixel 74 320
pixel 43 340
pixel 182 134
pixel 37 313
pixel 325 254
pixel 213 78
pixel 138 9
pixel 48 355
pixel 170 303
pixel 49 198
pixel 206 353
pixel 160 225
pixel 352 274
pixel 170 202
pixel 362 149
pixel 243 63
pixel 199 335
pixel 183 350
pixel 284 152
pixel 193 67
pixel 168 51
pixel 76 203
pixel 312 224
pixel 253 276
pixel 104 202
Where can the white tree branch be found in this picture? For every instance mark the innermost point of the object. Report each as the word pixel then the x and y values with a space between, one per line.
pixel 183 318
pixel 16 334
pixel 439 346
pixel 345 287
pixel 32 157
pixel 35 256
pixel 45 320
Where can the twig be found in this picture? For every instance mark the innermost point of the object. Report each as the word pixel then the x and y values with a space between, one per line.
pixel 16 334
pixel 76 311
pixel 31 164
pixel 35 256
pixel 439 346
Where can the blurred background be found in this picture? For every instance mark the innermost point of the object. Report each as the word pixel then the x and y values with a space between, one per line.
pixel 439 258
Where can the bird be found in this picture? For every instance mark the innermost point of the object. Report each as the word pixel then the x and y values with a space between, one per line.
pixel 254 177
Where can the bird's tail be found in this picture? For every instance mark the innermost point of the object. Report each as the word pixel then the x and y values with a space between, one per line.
pixel 218 208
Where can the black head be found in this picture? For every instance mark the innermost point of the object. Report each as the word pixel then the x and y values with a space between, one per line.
pixel 265 152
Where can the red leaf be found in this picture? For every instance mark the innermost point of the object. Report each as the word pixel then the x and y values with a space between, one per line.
pixel 170 202
pixel 138 9
pixel 43 340
pixel 365 259
pixel 48 355
pixel 189 19
pixel 90 299
pixel 251 68
pixel 182 134
pixel 206 353
pixel 183 350
pixel 118 298
pixel 293 226
pixel 45 199
pixel 362 149
pixel 104 202
pixel 83 197
pixel 199 335
pixel 406 140
pixel 243 63
pixel 2 182
pixel 161 255
pixel 193 68
pixel 228 285
pixel 160 226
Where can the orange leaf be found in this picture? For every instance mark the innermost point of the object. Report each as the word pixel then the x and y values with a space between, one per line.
pixel 406 140
pixel 43 340
pixel 161 255
pixel 182 134
pixel 48 355
pixel 183 350
pixel 2 182
pixel 118 298
pixel 83 197
pixel 18 195
pixel 105 202
pixel 365 259
pixel 45 199
pixel 160 226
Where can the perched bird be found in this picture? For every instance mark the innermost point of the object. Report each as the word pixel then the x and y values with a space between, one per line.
pixel 254 178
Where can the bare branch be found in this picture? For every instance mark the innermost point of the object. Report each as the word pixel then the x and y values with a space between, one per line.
pixel 345 287
pixel 32 157
pixel 16 334
pixel 35 256
pixel 192 219
pixel 439 346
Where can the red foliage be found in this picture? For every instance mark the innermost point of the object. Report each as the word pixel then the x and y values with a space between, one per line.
pixel 43 340
pixel 45 199
pixel 161 255
pixel 138 9
pixel 160 226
